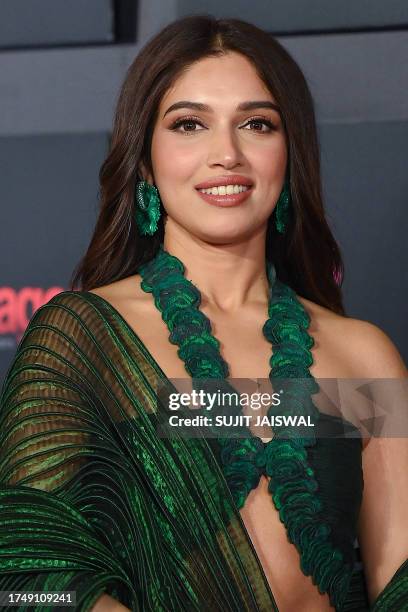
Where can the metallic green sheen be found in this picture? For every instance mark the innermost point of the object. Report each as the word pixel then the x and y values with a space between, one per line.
pixel 93 500
pixel 292 482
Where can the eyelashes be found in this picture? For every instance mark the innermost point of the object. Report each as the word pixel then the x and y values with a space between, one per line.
pixel 194 120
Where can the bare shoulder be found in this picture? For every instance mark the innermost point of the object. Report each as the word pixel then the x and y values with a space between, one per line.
pixel 367 349
pixel 124 292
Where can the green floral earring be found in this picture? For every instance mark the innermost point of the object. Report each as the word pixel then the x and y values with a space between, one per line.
pixel 147 208
pixel 282 208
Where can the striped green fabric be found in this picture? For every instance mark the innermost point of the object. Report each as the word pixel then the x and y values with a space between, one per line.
pixel 92 500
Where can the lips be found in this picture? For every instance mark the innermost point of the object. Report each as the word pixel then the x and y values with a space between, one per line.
pixel 227 200
pixel 232 179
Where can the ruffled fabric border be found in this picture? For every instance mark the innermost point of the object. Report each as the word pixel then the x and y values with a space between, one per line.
pixel 293 485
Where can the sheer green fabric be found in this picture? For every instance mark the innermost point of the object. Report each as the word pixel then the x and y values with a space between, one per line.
pixel 93 501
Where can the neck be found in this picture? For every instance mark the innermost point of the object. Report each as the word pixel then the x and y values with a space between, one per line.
pixel 230 276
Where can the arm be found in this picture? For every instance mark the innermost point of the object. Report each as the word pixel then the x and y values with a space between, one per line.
pixel 383 521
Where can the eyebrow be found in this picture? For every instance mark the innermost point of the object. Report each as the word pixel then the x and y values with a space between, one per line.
pixel 244 106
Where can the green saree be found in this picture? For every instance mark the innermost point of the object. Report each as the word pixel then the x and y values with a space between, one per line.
pixel 93 501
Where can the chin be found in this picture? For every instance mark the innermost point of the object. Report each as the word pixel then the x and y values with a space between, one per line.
pixel 219 229
pixel 218 236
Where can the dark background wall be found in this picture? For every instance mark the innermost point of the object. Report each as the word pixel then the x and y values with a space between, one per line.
pixel 61 66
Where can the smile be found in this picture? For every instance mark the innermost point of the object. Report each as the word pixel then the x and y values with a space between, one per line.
pixel 225 189
pixel 225 195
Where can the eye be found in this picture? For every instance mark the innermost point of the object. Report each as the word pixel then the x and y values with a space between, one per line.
pixel 189 123
pixel 262 121
pixel 186 121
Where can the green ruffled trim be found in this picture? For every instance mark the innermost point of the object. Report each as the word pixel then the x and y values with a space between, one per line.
pixel 293 485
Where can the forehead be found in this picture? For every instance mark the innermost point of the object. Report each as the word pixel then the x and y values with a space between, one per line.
pixel 223 80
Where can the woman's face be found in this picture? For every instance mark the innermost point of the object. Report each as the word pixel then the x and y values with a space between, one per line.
pixel 191 145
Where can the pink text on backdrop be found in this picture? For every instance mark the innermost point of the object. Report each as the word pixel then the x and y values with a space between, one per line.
pixel 18 306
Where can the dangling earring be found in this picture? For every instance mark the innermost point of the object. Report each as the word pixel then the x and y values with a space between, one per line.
pixel 282 208
pixel 147 208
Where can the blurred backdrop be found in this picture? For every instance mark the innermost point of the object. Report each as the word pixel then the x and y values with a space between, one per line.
pixel 61 66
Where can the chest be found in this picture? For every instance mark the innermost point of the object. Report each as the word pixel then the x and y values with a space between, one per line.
pixel 247 353
pixel 242 344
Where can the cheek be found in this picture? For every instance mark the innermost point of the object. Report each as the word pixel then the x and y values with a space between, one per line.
pixel 271 160
pixel 176 160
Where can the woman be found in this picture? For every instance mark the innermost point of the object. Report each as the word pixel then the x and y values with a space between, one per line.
pixel 93 499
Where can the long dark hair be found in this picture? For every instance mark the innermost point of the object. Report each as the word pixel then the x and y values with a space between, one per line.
pixel 307 256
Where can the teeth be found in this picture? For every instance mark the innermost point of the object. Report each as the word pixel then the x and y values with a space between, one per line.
pixel 225 189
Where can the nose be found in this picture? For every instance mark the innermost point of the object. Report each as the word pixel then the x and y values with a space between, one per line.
pixel 224 149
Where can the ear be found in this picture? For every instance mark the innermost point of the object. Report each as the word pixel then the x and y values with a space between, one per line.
pixel 145 174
